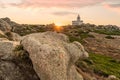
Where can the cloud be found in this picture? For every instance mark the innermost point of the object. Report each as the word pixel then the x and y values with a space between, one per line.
pixel 113 4
pixel 53 3
pixel 113 7
pixel 63 13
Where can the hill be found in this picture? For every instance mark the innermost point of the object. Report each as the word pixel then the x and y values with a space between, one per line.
pixel 101 42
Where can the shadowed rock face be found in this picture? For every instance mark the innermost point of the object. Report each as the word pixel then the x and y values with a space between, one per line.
pixel 13 67
pixel 10 70
pixel 53 56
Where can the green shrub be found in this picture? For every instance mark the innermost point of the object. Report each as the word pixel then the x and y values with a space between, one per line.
pixel 91 36
pixel 28 29
pixel 20 52
pixel 80 37
pixel 73 38
pixel 101 65
pixel 107 32
pixel 109 37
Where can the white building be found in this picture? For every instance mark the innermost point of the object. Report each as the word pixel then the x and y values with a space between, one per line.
pixel 78 21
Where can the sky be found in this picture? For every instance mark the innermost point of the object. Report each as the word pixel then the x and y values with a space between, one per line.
pixel 61 12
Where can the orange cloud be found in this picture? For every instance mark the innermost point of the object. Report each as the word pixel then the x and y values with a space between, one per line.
pixel 113 7
pixel 55 3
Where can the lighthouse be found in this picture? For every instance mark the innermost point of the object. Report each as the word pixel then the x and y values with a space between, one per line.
pixel 78 21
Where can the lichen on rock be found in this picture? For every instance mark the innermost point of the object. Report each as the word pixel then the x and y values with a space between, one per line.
pixel 53 56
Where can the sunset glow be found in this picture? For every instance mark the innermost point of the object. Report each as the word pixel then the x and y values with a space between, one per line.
pixel 62 12
pixel 59 24
pixel 58 28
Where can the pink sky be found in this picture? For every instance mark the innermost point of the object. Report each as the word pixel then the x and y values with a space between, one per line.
pixel 61 11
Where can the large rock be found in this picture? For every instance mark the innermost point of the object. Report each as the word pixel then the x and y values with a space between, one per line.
pixel 53 56
pixel 1 32
pixel 6 49
pixel 4 26
pixel 2 35
pixel 13 36
pixel 10 70
pixel 14 64
pixel 4 39
pixel 11 23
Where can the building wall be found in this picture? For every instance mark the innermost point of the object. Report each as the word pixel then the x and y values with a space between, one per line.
pixel 77 22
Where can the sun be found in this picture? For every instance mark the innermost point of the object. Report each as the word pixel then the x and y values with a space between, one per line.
pixel 58 24
pixel 58 27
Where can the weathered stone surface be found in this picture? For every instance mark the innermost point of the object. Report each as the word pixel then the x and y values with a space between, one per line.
pixel 17 69
pixel 1 32
pixel 11 71
pixel 112 77
pixel 13 36
pixel 13 66
pixel 6 48
pixel 11 23
pixel 4 39
pixel 2 35
pixel 102 45
pixel 4 26
pixel 16 37
pixel 53 56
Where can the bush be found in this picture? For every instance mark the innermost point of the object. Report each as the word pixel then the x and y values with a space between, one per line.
pixel 28 29
pixel 20 52
pixel 109 37
pixel 107 32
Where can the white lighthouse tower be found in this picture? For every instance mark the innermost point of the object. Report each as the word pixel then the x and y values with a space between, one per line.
pixel 78 21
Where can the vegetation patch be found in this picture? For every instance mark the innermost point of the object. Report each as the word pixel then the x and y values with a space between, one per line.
pixel 108 32
pixel 20 52
pixel 72 39
pixel 100 65
pixel 109 37
pixel 81 35
pixel 28 29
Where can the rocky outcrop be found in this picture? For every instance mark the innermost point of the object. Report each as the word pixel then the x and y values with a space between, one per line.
pixel 20 70
pixel 15 64
pixel 13 36
pixel 1 32
pixel 112 77
pixel 102 45
pixel 53 56
pixel 6 48
pixel 4 26
pixel 2 35
pixel 11 23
